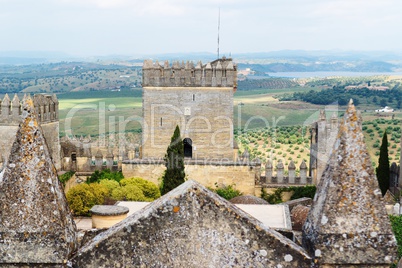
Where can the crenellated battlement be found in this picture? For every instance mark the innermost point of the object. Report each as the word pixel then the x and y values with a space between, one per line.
pixel 284 177
pixel 46 106
pixel 219 73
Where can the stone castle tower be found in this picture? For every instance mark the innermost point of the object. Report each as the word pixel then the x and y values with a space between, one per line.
pixel 323 136
pixel 47 109
pixel 199 99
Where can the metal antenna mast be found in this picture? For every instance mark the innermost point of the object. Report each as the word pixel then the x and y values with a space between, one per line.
pixel 219 25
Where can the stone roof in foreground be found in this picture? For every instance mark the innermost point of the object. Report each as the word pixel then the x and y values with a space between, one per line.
pixel 190 227
pixel 348 223
pixel 36 226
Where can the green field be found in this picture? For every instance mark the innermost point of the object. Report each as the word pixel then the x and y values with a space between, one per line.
pixel 94 113
pixel 94 110
pixel 256 114
pixel 252 109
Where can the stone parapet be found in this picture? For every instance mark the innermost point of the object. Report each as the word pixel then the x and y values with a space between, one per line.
pixel 219 73
pixel 46 107
pixel 291 179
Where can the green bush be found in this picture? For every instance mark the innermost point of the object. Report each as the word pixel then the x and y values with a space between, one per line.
pixel 82 197
pixel 105 174
pixel 65 177
pixel 298 192
pixel 274 198
pixel 100 192
pixel 149 189
pixel 396 223
pixel 227 192
pixel 118 194
pixel 129 192
pixel 306 191
pixel 134 193
pixel 110 185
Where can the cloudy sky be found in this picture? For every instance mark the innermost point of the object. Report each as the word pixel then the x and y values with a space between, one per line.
pixel 138 27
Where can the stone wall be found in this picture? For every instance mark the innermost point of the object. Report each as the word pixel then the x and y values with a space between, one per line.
pixel 147 169
pixel 7 134
pixel 51 133
pixel 323 136
pixel 87 154
pixel 198 99
pixel 207 173
pixel 242 176
pixel 204 115
pixel 46 108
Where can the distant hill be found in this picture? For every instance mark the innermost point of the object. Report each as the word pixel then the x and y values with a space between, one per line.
pixel 365 66
pixel 49 71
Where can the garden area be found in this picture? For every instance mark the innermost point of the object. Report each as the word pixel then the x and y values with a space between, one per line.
pixel 106 188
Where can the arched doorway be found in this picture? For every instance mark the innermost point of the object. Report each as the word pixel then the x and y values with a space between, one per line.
pixel 188 147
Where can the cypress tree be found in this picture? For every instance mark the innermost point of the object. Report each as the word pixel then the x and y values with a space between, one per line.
pixel 174 162
pixel 382 170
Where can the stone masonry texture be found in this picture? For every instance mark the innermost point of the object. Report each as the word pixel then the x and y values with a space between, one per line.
pixel 46 107
pixel 190 227
pixel 36 226
pixel 199 99
pixel 347 225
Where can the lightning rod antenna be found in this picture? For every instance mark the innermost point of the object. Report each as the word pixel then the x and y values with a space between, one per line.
pixel 219 25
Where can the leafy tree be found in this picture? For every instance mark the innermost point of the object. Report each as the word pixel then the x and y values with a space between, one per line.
pixel 382 170
pixel 174 162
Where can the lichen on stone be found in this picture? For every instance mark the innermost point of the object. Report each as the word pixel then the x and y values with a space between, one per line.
pixel 36 225
pixel 347 208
